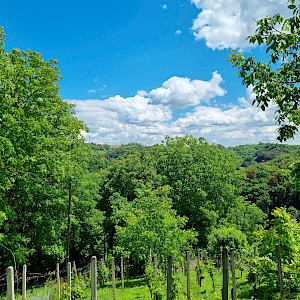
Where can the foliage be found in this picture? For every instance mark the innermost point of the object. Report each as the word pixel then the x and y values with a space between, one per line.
pixel 229 237
pixel 77 291
pixel 245 216
pixel 267 187
pixel 78 285
pixel 2 220
pixel 276 81
pixel 293 174
pixel 211 272
pixel 41 151
pixel 283 231
pixel 156 285
pixel 149 222
pixel 262 152
pixel 204 185
pixel 199 268
pixel 103 272
pixel 112 152
pixel 203 178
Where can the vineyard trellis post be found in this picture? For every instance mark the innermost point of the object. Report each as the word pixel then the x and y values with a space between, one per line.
pixel 94 278
pixel 188 281
pixel 234 290
pixel 113 271
pixel 24 282
pixel 74 269
pixel 122 272
pixel 170 295
pixel 58 280
pixel 69 222
pixel 69 278
pixel 225 274
pixel 10 283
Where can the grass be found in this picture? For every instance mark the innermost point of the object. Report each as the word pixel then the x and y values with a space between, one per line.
pixel 137 288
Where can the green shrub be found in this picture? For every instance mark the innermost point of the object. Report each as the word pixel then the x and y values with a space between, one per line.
pixel 229 237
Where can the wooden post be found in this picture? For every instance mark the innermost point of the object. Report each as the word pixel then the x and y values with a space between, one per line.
pixel 24 282
pixel 221 258
pixel 10 283
pixel 113 271
pixel 58 280
pixel 188 282
pixel 94 277
pixel 74 270
pixel 122 272
pixel 69 223
pixel 155 266
pixel 225 274
pixel 280 272
pixel 69 275
pixel 170 295
pixel 234 291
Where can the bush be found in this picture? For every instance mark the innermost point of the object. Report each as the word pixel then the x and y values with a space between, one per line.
pixel 229 237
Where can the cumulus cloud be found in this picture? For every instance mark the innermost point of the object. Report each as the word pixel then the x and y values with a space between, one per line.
pixel 227 23
pixel 132 110
pixel 119 120
pixel 164 6
pixel 178 32
pixel 239 124
pixel 122 120
pixel 179 92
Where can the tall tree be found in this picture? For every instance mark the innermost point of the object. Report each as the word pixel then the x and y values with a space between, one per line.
pixel 203 178
pixel 41 149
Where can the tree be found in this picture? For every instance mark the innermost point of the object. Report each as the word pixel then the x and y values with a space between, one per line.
pixel 149 223
pixel 204 179
pixel 41 150
pixel 284 231
pixel 277 80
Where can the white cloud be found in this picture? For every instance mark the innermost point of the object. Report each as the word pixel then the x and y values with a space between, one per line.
pixel 227 23
pixel 142 93
pixel 179 92
pixel 164 6
pixel 132 110
pixel 92 91
pixel 122 120
pixel 178 32
pixel 240 124
pixel 119 120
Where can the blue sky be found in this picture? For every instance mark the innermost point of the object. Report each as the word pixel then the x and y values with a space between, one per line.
pixel 139 70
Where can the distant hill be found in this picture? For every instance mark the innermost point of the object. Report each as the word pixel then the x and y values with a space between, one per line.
pixel 262 152
pixel 247 155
